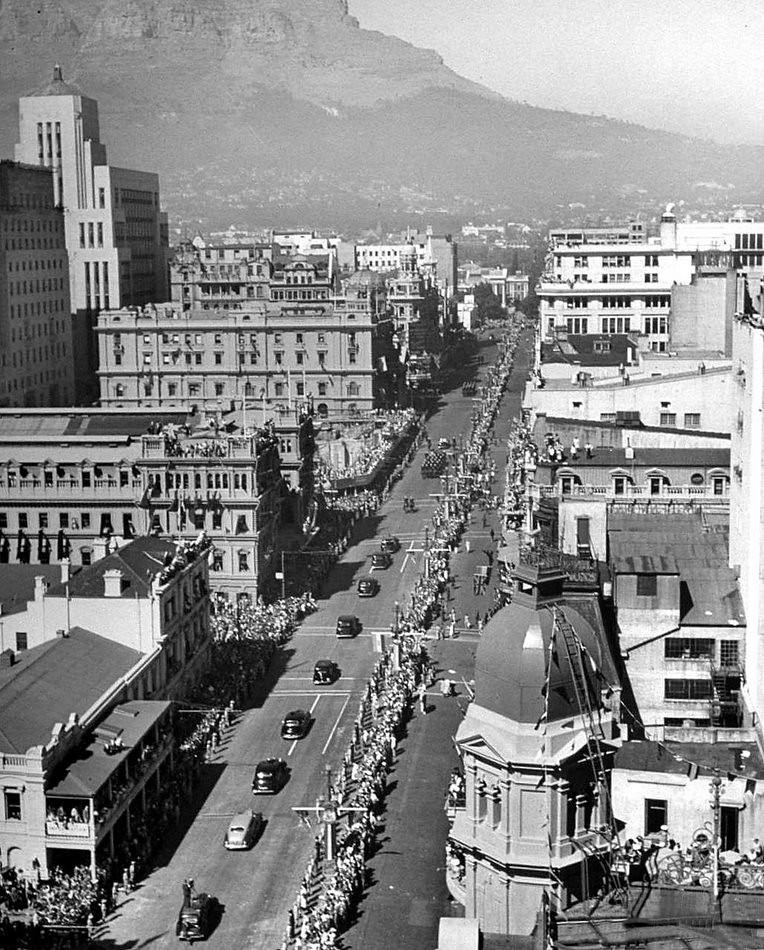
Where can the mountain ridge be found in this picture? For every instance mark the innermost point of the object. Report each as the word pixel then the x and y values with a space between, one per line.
pixel 270 108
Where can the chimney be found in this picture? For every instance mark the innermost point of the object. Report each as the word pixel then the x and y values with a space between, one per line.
pixel 40 587
pixel 112 583
pixel 58 76
pixel 65 565
pixel 100 548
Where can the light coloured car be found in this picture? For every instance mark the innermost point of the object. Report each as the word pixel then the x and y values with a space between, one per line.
pixel 243 831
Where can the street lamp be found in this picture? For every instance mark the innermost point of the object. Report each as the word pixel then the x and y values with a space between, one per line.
pixel 716 791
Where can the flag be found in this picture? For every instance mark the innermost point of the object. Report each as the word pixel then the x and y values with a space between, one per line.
pixel 145 501
pixel 750 786
pixel 692 771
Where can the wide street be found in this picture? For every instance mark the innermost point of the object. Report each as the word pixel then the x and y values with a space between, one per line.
pixel 257 887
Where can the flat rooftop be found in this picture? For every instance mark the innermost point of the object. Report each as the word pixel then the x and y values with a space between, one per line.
pixel 604 457
pixel 590 349
pixel 17 584
pixel 672 757
pixel 22 424
pixel 50 682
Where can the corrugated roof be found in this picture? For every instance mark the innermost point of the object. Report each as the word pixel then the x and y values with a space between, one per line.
pixel 50 682
pixel 697 458
pixel 91 766
pixel 711 596
pixel 645 564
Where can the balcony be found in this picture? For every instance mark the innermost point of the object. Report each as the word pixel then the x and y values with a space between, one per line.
pixel 67 830
pixel 641 492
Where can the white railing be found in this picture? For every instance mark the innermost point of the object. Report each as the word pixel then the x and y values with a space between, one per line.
pixel 667 492
pixel 68 829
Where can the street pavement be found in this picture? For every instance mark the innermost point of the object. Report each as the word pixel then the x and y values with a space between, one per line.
pixel 256 888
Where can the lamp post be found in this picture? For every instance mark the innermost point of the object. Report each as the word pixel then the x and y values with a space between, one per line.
pixel 716 791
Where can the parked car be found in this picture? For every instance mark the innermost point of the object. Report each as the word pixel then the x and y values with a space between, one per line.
pixel 381 561
pixel 368 587
pixel 194 918
pixel 325 672
pixel 270 777
pixel 389 545
pixel 348 625
pixel 243 831
pixel 295 724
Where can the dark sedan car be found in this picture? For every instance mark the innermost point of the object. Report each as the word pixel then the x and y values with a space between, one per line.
pixel 295 724
pixel 194 918
pixel 390 545
pixel 381 560
pixel 270 777
pixel 368 587
pixel 325 672
pixel 348 625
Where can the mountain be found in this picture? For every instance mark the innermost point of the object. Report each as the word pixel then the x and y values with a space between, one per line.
pixel 275 111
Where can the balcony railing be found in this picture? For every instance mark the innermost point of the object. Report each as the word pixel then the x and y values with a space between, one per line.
pixel 68 829
pixel 643 492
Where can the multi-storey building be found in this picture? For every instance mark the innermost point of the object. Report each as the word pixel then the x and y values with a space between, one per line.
pixel 629 282
pixel 507 287
pixel 430 250
pixel 116 234
pixel 220 277
pixel 37 363
pixel 251 328
pixel 87 742
pixel 74 484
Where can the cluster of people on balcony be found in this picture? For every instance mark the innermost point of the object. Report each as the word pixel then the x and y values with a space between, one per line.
pixel 64 819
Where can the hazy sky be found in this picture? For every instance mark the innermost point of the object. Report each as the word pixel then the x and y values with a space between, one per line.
pixel 693 66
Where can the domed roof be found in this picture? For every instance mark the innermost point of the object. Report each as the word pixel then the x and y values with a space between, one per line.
pixel 512 659
pixel 57 86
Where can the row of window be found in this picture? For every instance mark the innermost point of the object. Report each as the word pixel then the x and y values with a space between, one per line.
pixel 22 287
pixel 621 302
pixel 611 260
pixel 48 224
pixel 689 648
pixel 94 234
pixel 657 483
pixel 195 389
pixel 31 244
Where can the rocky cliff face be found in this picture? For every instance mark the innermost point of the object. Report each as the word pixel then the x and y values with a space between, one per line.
pixel 260 111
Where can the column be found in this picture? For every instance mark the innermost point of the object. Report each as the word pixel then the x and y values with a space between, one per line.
pixel 580 814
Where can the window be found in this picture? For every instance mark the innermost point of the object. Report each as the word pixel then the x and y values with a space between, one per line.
pixel 218 339
pixel 85 519
pixel 692 420
pixel 619 484
pixel 278 389
pixel 656 815
pixel 198 359
pixel 301 389
pixel 23 520
pixel 172 389
pixel 298 338
pixel 12 805
pixel 322 389
pixel 647 585
pixel 243 562
pixel 87 556
pixel 218 359
pixel 100 234
pixel 300 358
pixel 63 519
pixel 688 648
pixel 241 525
pixel 719 483
pixel 656 484
pixel 668 419
pixel 22 640
pixel 43 520
pixel 219 389
pixel 82 234
pixel 729 653
pixel 194 389
pixel 86 480
pixel 101 198
pixel 277 338
pixel 687 689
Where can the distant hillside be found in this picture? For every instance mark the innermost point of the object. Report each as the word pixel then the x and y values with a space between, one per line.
pixel 285 109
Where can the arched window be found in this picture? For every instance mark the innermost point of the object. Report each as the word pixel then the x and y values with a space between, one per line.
pixel 322 409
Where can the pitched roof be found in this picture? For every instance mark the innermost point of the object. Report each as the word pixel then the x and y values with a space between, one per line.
pixel 647 756
pixel 698 458
pixel 586 349
pixel 91 765
pixel 139 561
pixel 17 584
pixel 50 682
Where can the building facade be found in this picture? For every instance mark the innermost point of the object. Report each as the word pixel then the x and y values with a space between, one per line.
pixel 438 252
pixel 629 282
pixel 533 815
pixel 116 234
pixel 37 363
pixel 87 746
pixel 95 480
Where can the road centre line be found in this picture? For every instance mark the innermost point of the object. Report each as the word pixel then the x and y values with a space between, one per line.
pixel 310 692
pixel 334 727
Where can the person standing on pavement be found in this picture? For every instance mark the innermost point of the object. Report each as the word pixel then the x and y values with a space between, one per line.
pixel 467 545
pixel 422 695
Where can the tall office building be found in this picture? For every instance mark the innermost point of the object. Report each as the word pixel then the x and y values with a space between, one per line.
pixel 37 361
pixel 116 234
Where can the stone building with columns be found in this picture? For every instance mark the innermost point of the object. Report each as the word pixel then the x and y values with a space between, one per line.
pixel 86 741
pixel 537 745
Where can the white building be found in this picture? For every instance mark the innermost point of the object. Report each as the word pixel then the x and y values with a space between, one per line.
pixel 116 235
pixel 621 281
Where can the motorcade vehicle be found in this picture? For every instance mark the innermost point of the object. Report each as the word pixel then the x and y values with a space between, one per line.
pixel 243 831
pixel 381 561
pixel 295 724
pixel 390 544
pixel 325 672
pixel 270 777
pixel 368 587
pixel 348 625
pixel 194 918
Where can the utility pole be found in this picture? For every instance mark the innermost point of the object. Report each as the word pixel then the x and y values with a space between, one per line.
pixel 328 812
pixel 283 577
